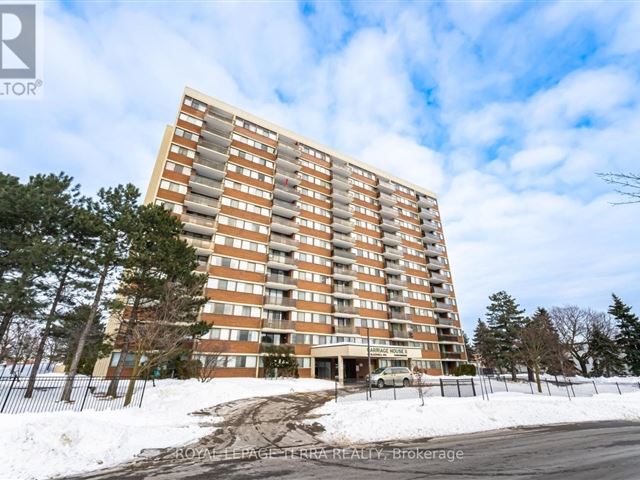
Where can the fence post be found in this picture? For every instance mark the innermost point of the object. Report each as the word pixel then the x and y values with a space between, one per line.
pixel 6 399
pixel 393 380
pixel 458 384
pixel 548 389
pixel 594 386
pixel 336 390
pixel 473 387
pixel 506 387
pixel 86 391
pixel 441 388
pixel 572 390
pixel 144 386
pixel 619 391
pixel 490 385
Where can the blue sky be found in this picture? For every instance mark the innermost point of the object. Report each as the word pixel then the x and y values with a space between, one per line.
pixel 506 109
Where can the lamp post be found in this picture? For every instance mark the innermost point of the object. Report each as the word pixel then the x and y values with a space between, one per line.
pixel 369 364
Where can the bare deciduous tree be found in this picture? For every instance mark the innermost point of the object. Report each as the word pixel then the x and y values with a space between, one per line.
pixel 627 185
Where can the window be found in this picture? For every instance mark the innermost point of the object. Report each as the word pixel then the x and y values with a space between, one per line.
pixel 247 207
pixel 173 187
pixel 239 243
pixel 314 180
pixel 172 207
pixel 305 222
pixel 232 335
pixel 247 172
pixel 314 166
pixel 311 297
pixel 233 286
pixel 248 189
pixel 316 242
pixel 182 151
pixel 313 209
pixel 253 143
pixel 189 119
pixel 313 194
pixel 251 157
pixel 180 132
pixel 368 270
pixel 314 153
pixel 176 167
pixel 236 264
pixel 229 309
pixel 243 224
pixel 193 103
pixel 364 186
pixel 256 128
pixel 316 259
pixel 362 172
pixel 311 317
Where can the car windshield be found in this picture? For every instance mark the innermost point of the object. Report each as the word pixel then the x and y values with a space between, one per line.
pixel 378 371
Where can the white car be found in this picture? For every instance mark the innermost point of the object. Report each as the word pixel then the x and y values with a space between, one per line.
pixel 388 376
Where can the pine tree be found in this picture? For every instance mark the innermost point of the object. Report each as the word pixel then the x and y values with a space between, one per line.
pixel 484 344
pixel 604 354
pixel 628 338
pixel 504 318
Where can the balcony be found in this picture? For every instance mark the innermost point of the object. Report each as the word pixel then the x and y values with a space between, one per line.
pixel 339 168
pixel 345 310
pixel 400 334
pixel 340 184
pixel 279 303
pixel 392 253
pixel 282 282
pixel 219 118
pixel 343 291
pixel 285 192
pixel 427 202
pixel 443 307
pixel 344 273
pixel 438 278
pixel 428 214
pixel 341 211
pixel 387 212
pixel 428 238
pixel 209 168
pixel 347 255
pixel 345 330
pixel 449 338
pixel 389 226
pixel 386 186
pixel 386 200
pixel 288 150
pixel 287 163
pixel 451 355
pixel 213 151
pixel 283 177
pixel 218 136
pixel 401 316
pixel 397 300
pixel 273 324
pixel 202 267
pixel 201 204
pixel 396 284
pixel 433 250
pixel 341 196
pixel 342 240
pixel 445 322
pixel 287 209
pixel 283 225
pixel 282 243
pixel 435 264
pixel 201 245
pixel 440 292
pixel 281 262
pixel 197 224
pixel 204 185
pixel 341 225
pixel 429 227
pixel 391 239
pixel 393 268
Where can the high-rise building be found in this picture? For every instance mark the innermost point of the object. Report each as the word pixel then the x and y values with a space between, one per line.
pixel 307 247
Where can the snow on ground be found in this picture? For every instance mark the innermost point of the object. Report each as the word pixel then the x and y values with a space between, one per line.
pixel 364 421
pixel 43 445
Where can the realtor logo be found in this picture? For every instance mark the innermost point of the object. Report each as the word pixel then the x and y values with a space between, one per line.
pixel 18 41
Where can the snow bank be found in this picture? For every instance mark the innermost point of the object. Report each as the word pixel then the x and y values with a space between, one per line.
pixel 43 445
pixel 363 422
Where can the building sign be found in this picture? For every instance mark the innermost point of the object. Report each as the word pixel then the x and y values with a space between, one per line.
pixel 388 352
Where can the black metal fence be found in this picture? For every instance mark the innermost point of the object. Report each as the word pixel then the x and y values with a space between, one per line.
pixel 88 393
pixel 479 386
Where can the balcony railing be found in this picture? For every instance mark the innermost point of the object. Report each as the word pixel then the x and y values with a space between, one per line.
pixel 444 306
pixel 449 338
pixel 429 214
pixel 396 298
pixel 281 279
pixel 400 334
pixel 426 203
pixel 456 355
pixel 197 242
pixel 427 237
pixel 344 271
pixel 441 291
pixel 345 329
pixel 437 264
pixel 445 321
pixel 284 260
pixel 390 239
pixel 345 309
pixel 209 183
pixel 281 239
pixel 280 301
pixel 392 252
pixel 278 324
pixel 396 282
pixel 386 186
pixel 398 315
pixel 343 289
pixel 195 220
pixel 213 146
pixel 211 112
pixel 201 200
pixel 210 129
pixel 339 252
pixel 199 161
pixel 287 163
pixel 438 276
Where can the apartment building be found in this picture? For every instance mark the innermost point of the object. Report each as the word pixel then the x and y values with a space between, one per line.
pixel 307 247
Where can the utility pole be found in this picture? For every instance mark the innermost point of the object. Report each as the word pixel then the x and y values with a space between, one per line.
pixel 369 363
